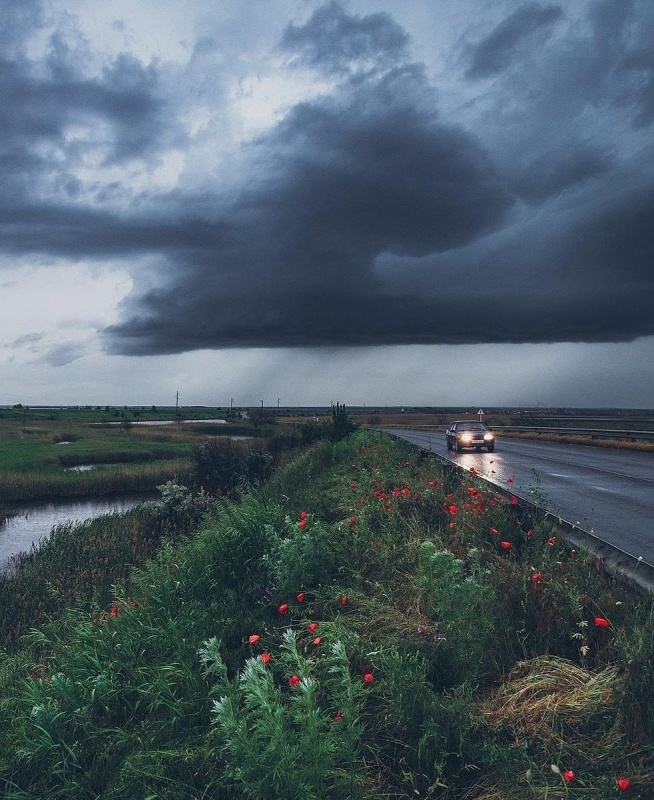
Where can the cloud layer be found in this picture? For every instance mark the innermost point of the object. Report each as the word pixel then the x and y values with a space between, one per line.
pixel 361 213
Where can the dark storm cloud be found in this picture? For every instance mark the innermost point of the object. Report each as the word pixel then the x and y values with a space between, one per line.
pixel 498 49
pixel 337 42
pixel 365 216
pixel 369 169
pixel 45 103
pixel 372 176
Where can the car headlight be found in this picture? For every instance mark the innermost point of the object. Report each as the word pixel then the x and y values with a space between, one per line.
pixel 466 437
pixel 488 437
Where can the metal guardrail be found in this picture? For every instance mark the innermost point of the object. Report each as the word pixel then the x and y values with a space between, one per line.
pixel 616 562
pixel 595 433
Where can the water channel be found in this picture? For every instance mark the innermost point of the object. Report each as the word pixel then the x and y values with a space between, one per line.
pixel 29 524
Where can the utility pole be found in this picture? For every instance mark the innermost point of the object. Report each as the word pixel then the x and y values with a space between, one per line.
pixel 177 403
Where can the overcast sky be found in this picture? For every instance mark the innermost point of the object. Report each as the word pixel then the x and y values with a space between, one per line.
pixel 369 201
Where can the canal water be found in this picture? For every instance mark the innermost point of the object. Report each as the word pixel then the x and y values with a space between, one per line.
pixel 30 524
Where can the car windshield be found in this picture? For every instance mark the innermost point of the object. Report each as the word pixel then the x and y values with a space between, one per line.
pixel 470 426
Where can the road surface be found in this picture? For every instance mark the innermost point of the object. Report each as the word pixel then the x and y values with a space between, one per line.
pixel 607 492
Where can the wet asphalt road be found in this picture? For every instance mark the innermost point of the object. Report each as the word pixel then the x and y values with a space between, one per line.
pixel 609 493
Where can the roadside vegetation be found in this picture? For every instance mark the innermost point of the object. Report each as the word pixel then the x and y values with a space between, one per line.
pixel 350 621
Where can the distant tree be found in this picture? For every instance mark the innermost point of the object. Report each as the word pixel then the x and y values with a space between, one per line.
pixel 343 425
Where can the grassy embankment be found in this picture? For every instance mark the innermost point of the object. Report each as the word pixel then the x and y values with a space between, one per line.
pixel 39 451
pixel 362 627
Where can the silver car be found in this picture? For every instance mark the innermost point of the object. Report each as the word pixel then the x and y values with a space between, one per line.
pixel 469 434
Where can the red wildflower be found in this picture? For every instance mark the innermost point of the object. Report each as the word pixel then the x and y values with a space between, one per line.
pixel 253 638
pixel 536 576
pixel 293 681
pixel 505 545
pixel 282 608
pixel 368 677
pixel 352 520
pixel 114 611
pixel 471 490
pixel 343 600
pixel 569 775
pixel 353 485
pixel 509 480
pixel 303 514
pixel 493 530
pixel 415 496
pixel 452 509
pixel 514 500
pixel 300 597
pixel 623 784
pixel 338 716
pixel 265 657
pixel 312 627
pixel 473 471
pixel 551 541
pixel 600 622
pixel 316 641
pixel 302 523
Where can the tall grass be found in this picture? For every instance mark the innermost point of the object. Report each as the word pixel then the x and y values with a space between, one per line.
pixel 106 480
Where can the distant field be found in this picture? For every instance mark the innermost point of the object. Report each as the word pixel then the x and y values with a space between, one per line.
pixel 41 449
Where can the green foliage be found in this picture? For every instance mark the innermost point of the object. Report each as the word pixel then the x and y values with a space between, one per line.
pixel 297 741
pixel 457 600
pixel 301 557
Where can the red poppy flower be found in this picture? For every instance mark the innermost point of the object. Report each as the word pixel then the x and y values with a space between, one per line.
pixel 303 514
pixel 316 641
pixel 302 523
pixel 509 480
pixel 452 509
pixel 514 500
pixel 471 490
pixel 505 545
pixel 265 657
pixel 551 541
pixel 338 716
pixel 353 485
pixel 312 626
pixel 282 608
pixel 368 677
pixel 352 520
pixel 293 681
pixel 536 576
pixel 343 600
pixel 569 776
pixel 623 784
pixel 600 622
pixel 493 530
pixel 253 638
pixel 300 597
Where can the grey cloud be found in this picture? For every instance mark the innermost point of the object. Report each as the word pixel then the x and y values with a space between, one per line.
pixel 28 338
pixel 338 42
pixel 498 50
pixel 41 102
pixel 548 173
pixel 370 169
pixel 364 217
pixel 60 355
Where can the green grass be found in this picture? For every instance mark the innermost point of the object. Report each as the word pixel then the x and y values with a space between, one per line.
pixel 36 454
pixel 364 626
